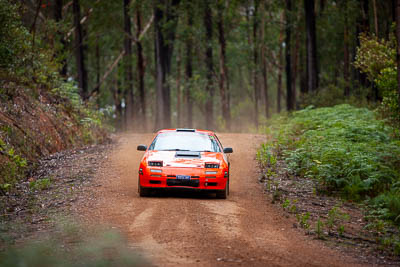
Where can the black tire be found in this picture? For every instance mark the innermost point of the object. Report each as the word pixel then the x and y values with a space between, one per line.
pixel 223 194
pixel 143 192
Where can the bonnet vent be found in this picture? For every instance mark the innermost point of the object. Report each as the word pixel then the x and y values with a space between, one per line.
pixel 185 130
pixel 187 154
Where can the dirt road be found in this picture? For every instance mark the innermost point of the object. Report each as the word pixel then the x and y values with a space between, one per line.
pixel 197 229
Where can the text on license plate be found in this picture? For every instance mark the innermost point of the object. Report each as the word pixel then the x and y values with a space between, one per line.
pixel 183 177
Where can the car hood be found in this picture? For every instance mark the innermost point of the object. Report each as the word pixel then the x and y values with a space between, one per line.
pixel 170 159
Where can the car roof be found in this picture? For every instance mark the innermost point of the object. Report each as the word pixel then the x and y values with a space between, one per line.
pixel 183 130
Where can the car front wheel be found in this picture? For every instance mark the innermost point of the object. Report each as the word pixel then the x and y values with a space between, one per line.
pixel 143 192
pixel 223 194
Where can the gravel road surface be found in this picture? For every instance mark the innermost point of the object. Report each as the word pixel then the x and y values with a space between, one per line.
pixel 195 229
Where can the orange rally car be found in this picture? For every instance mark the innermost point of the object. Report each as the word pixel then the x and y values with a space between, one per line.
pixel 185 158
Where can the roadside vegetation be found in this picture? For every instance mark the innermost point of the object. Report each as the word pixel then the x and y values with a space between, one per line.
pixel 345 152
pixel 350 152
pixel 40 112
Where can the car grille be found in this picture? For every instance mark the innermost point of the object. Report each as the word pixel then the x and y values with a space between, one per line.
pixel 177 182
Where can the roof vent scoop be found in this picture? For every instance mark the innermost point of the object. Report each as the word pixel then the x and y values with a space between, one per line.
pixel 185 130
pixel 187 154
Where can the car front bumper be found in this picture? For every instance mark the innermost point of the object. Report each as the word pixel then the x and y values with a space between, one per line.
pixel 196 181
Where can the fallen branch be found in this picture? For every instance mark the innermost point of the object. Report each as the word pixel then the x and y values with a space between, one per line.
pixel 112 66
pixel 109 70
pixel 134 39
pixel 83 20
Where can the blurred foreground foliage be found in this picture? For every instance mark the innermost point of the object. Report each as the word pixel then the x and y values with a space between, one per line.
pixel 71 245
pixel 345 150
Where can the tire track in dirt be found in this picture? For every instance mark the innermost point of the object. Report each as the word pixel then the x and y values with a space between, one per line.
pixel 188 228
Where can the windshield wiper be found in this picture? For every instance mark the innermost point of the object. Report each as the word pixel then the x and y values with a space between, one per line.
pixel 204 151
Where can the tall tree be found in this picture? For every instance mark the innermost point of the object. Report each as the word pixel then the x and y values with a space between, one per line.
pixel 165 21
pixel 288 57
pixel 346 57
pixel 398 48
pixel 295 65
pixel 303 73
pixel 79 51
pixel 264 61
pixel 58 6
pixel 97 66
pixel 209 65
pixel 223 70
pixel 375 18
pixel 280 66
pixel 362 25
pixel 255 61
pixel 117 97
pixel 128 77
pixel 140 67
pixel 189 70
pixel 311 45
pixel 178 88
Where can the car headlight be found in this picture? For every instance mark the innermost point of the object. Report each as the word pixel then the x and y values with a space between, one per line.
pixel 155 163
pixel 212 165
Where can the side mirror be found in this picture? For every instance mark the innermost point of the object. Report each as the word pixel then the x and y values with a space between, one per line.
pixel 141 147
pixel 228 150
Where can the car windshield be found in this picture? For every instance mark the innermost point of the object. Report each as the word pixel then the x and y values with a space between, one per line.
pixel 185 141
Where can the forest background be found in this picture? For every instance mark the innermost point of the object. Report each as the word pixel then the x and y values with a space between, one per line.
pixel 320 77
pixel 221 65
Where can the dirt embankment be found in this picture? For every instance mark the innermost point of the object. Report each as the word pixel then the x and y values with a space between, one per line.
pixel 197 229
pixel 35 123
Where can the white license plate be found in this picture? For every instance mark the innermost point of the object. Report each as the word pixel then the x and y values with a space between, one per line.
pixel 183 177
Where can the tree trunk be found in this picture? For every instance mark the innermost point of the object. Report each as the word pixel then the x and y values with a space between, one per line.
pixel 280 59
pixel 288 57
pixel 255 62
pixel 303 74
pixel 189 74
pixel 322 7
pixel 178 89
pixel 264 61
pixel 311 46
pixel 398 48
pixel 375 18
pixel 128 77
pixel 346 63
pixel 164 14
pixel 58 5
pixel 97 54
pixel 79 51
pixel 295 67
pixel 362 25
pixel 365 16
pixel 140 68
pixel 117 95
pixel 223 71
pixel 209 66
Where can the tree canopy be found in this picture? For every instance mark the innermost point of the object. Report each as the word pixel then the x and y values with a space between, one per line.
pixel 222 65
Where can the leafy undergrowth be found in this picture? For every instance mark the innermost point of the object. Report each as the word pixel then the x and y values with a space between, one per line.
pixel 318 155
